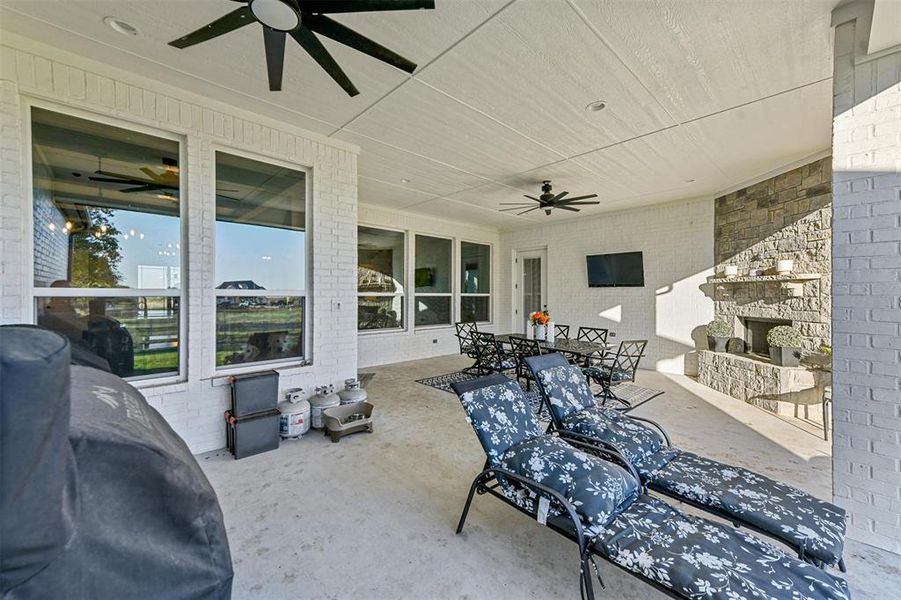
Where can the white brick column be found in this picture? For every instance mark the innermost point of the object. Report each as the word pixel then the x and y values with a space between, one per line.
pixel 867 287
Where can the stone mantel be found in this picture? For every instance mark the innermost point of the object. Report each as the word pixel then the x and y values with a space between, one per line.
pixel 793 283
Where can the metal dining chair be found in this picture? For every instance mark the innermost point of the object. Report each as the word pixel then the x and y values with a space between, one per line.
pixel 595 335
pixel 561 332
pixel 620 368
pixel 491 359
pixel 467 347
pixel 523 348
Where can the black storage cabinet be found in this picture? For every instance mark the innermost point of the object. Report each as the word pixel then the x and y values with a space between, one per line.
pixel 252 434
pixel 254 393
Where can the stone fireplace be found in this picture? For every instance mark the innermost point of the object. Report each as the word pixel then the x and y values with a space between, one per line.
pixel 786 217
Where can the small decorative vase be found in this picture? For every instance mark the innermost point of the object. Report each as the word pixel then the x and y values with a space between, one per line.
pixel 784 267
pixel 540 332
pixel 551 329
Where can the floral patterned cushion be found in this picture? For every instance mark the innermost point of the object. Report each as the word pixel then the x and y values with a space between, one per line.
pixel 566 389
pixel 813 526
pixel 697 558
pixel 597 489
pixel 501 416
pixel 603 372
pixel 632 438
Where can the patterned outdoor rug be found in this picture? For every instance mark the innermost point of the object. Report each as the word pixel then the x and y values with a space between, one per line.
pixel 443 383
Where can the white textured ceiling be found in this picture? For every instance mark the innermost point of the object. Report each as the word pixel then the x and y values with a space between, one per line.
pixel 701 95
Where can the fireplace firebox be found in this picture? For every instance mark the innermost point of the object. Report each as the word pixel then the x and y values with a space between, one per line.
pixel 755 334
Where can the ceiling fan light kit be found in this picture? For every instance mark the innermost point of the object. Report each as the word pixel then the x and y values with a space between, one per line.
pixel 548 201
pixel 302 20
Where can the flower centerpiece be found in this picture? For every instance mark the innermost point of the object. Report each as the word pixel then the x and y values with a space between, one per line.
pixel 539 320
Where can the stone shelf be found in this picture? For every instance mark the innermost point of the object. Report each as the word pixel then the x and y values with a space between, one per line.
pixel 793 283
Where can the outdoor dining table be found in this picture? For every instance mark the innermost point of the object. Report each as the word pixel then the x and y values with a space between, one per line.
pixel 567 346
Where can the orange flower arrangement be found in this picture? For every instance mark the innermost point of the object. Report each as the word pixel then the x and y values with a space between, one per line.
pixel 540 317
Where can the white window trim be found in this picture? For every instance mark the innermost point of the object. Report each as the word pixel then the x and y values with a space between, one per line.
pixel 405 295
pixel 31 292
pixel 292 362
pixel 452 294
pixel 491 281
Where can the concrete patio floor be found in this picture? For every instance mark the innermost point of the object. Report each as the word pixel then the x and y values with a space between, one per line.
pixel 374 515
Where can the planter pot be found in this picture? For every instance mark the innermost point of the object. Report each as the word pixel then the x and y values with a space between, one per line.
pixel 717 344
pixel 785 357
pixel 784 267
pixel 540 332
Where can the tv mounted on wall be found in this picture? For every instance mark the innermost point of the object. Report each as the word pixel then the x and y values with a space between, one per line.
pixel 624 269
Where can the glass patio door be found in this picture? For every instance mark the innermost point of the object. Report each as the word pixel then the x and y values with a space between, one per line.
pixel 531 283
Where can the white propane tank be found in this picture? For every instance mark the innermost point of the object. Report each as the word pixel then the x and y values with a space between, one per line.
pixel 325 398
pixel 294 420
pixel 352 392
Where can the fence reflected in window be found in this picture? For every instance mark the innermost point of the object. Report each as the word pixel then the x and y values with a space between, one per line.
pixel 258 328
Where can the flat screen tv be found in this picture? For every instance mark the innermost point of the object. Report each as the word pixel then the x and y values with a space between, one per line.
pixel 624 269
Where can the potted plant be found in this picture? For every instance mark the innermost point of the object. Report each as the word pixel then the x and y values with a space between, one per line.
pixel 785 346
pixel 718 335
pixel 539 320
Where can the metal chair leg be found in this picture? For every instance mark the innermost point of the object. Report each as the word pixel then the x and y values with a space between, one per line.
pixel 472 491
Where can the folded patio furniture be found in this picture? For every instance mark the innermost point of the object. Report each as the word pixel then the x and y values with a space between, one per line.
pixel 813 527
pixel 601 505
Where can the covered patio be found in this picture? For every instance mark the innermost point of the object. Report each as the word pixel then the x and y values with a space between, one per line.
pixel 282 280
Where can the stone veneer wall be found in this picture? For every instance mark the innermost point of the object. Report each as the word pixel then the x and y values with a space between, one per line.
pixel 787 216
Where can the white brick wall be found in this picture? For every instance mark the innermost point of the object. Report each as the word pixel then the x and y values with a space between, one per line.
pixel 867 290
pixel 677 241
pixel 194 407
pixel 383 348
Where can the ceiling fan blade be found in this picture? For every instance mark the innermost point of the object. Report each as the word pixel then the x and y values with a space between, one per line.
pixel 345 6
pixel 513 208
pixel 527 211
pixel 579 203
pixel 518 203
pixel 581 197
pixel 274 41
pixel 119 175
pixel 145 188
pixel 308 40
pixel 567 208
pixel 129 181
pixel 532 198
pixel 338 32
pixel 557 198
pixel 234 20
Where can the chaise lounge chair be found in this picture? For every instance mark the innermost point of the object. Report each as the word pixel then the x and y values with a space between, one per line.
pixel 814 528
pixel 601 505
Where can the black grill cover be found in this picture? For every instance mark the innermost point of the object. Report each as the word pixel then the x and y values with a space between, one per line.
pixel 148 523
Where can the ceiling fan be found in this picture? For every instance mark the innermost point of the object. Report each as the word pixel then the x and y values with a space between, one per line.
pixel 548 201
pixel 167 180
pixel 299 19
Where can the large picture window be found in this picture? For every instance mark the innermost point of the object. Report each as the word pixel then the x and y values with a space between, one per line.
pixel 475 290
pixel 433 294
pixel 380 279
pixel 261 261
pixel 107 242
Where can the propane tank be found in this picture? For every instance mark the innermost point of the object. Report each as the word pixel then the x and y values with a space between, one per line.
pixel 325 398
pixel 352 392
pixel 294 420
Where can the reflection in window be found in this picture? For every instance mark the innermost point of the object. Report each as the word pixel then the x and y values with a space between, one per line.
pixel 258 328
pixel 475 273
pixel 380 279
pixel 106 223
pixel 261 249
pixel 131 337
pixel 433 281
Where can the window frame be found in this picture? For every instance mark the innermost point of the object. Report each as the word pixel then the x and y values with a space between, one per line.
pixel 454 275
pixel 281 363
pixel 491 286
pixel 32 292
pixel 405 295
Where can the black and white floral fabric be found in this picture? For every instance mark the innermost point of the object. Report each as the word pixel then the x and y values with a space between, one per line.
pixel 501 417
pixel 597 489
pixel 815 527
pixel 698 558
pixel 606 372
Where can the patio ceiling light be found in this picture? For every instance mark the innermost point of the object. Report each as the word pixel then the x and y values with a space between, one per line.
pixel 596 106
pixel 120 26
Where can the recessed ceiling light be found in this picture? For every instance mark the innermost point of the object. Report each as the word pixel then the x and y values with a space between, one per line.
pixel 689 181
pixel 405 181
pixel 596 106
pixel 120 26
